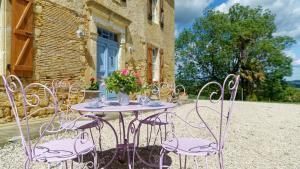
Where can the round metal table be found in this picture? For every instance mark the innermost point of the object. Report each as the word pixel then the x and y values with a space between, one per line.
pixel 133 107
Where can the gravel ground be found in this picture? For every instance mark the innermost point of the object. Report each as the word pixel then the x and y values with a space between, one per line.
pixel 261 135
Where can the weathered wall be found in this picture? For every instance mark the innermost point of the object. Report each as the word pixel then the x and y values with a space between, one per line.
pixel 59 53
pixel 165 39
pixel 141 32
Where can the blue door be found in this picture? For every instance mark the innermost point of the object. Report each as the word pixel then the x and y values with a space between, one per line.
pixel 107 59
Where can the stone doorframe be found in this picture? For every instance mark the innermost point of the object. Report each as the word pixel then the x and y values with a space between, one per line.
pixel 5 34
pixel 100 16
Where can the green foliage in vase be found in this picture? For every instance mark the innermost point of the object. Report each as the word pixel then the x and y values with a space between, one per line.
pixel 124 81
pixel 241 41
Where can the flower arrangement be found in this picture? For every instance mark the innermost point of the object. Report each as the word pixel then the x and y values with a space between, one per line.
pixel 94 85
pixel 124 81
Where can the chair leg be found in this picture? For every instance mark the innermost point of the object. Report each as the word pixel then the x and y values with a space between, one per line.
pixel 147 135
pixel 49 166
pixel 95 159
pixel 206 163
pixel 161 158
pixel 185 157
pixel 221 160
pixel 151 127
pixel 165 132
pixel 71 164
pixel 180 162
pixel 196 162
pixel 27 164
pixel 128 157
pixel 92 136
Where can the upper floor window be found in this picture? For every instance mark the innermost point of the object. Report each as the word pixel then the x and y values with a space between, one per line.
pixel 156 11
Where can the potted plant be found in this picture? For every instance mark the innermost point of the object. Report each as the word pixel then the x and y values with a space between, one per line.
pixel 94 85
pixel 124 82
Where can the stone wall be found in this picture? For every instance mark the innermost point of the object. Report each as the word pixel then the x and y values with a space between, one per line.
pixel 59 53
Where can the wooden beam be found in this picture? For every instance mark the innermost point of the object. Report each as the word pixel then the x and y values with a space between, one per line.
pixel 22 51
pixel 24 14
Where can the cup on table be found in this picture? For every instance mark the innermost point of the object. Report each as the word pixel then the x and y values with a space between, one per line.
pixel 143 100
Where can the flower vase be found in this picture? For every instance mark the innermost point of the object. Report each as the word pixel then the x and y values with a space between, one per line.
pixel 123 98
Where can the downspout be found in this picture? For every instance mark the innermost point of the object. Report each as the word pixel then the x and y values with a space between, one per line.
pixel 2 26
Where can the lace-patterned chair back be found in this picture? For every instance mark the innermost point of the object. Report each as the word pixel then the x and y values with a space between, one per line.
pixel 27 102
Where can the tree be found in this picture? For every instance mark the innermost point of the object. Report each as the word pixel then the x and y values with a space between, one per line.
pixel 242 42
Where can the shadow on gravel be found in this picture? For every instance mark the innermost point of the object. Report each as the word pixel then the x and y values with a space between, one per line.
pixel 149 154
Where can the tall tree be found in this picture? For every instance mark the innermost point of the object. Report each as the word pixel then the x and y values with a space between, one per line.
pixel 241 41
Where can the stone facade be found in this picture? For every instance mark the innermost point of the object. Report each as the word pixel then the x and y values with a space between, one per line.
pixel 60 54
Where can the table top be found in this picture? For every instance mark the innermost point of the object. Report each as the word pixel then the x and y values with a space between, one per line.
pixel 114 107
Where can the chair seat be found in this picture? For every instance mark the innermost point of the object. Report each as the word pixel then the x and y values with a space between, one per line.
pixel 155 121
pixel 190 146
pixel 80 124
pixel 62 150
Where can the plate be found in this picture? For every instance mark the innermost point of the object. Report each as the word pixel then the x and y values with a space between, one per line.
pixel 93 107
pixel 155 104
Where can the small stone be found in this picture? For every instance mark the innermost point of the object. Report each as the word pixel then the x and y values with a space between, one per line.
pixel 1 113
pixel 7 112
pixel 38 9
pixel 37 32
pixel 8 119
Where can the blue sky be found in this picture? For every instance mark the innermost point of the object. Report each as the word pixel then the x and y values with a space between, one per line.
pixel 287 19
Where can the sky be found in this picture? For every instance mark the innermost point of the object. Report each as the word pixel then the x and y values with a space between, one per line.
pixel 287 19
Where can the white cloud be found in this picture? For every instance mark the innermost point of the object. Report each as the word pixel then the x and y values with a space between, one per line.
pixel 291 54
pixel 187 11
pixel 287 13
pixel 296 62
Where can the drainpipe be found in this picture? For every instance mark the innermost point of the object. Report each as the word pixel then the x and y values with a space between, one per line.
pixel 2 26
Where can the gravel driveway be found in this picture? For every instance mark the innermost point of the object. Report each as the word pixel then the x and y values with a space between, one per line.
pixel 261 135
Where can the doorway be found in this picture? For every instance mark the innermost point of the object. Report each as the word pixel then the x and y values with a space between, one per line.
pixel 107 57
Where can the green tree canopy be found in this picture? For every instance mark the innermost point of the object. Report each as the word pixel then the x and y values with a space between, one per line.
pixel 242 42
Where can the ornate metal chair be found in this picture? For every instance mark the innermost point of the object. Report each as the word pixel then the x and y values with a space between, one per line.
pixel 37 98
pixel 157 90
pixel 199 132
pixel 214 118
pixel 69 94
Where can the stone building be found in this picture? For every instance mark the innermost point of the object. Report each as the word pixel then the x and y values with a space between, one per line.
pixel 42 40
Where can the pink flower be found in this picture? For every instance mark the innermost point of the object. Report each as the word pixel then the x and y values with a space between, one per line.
pixel 124 72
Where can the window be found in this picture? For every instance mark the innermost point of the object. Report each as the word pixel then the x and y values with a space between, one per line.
pixel 155 11
pixel 107 35
pixel 155 65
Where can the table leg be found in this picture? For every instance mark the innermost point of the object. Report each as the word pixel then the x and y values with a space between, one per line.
pixel 125 145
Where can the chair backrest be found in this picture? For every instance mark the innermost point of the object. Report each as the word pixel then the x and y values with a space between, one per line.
pixel 31 97
pixel 160 91
pixel 217 93
pixel 67 94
